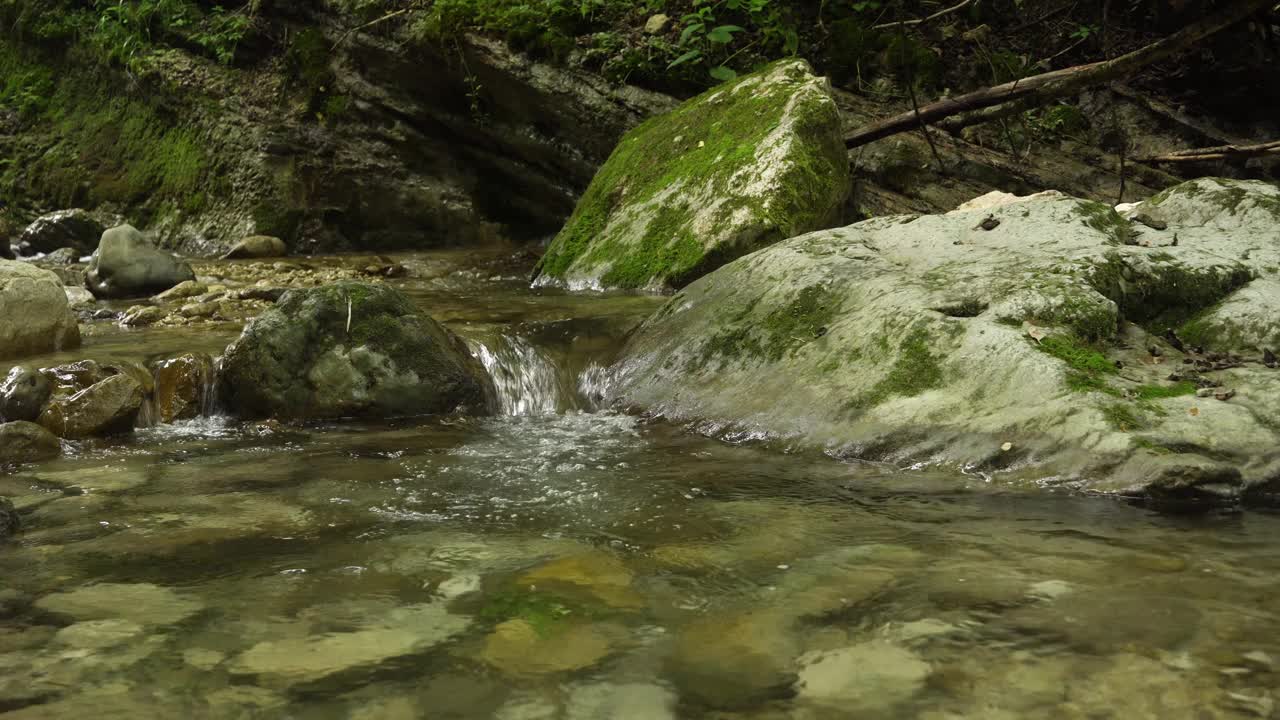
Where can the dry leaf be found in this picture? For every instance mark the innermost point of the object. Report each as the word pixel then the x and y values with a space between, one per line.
pixel 1194 412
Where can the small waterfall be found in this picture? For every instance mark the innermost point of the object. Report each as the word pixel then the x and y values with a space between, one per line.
pixel 528 381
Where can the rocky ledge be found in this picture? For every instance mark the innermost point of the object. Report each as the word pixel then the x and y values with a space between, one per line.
pixel 1042 339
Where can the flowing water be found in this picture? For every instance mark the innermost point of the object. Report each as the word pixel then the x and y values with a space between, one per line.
pixel 561 561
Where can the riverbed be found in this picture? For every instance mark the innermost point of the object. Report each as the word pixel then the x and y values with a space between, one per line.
pixel 563 560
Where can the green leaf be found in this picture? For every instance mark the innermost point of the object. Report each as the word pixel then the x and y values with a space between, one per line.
pixel 689 31
pixel 687 57
pixel 723 74
pixel 723 34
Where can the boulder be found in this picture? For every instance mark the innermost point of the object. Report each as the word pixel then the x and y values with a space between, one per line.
pixel 78 298
pixel 128 265
pixel 184 386
pixel 75 229
pixel 745 165
pixel 25 442
pixel 1042 337
pixel 34 317
pixel 350 349
pixel 23 394
pixel 108 407
pixel 257 246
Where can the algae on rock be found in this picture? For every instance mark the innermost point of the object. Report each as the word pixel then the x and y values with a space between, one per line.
pixel 741 167
pixel 1022 348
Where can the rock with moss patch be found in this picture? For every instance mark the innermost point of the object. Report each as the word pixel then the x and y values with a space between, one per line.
pixel 26 442
pixel 128 265
pixel 748 164
pixel 350 349
pixel 34 316
pixel 930 339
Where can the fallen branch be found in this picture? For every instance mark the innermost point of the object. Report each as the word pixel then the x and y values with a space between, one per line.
pixel 1039 89
pixel 367 25
pixel 1222 152
pixel 921 21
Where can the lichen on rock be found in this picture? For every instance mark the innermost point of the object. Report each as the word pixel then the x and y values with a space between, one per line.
pixel 743 166
pixel 1020 346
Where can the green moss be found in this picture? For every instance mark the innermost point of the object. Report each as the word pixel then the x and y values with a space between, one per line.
pixel 1106 220
pixel 1158 392
pixel 698 146
pixel 783 331
pixel 543 612
pixel 1077 355
pixel 1122 417
pixel 915 370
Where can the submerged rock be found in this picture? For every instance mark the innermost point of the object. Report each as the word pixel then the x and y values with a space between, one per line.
pixel 752 162
pixel 517 647
pixel 872 676
pixel 183 386
pixel 932 339
pixel 735 660
pixel 128 265
pixel 350 349
pixel 34 316
pixel 140 603
pixel 24 393
pixel 75 229
pixel 26 442
pixel 258 246
pixel 108 407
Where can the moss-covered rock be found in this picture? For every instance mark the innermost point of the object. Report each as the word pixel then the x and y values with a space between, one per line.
pixel 350 349
pixel 748 164
pixel 1021 349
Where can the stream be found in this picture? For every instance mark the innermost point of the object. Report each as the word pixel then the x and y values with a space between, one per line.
pixel 564 561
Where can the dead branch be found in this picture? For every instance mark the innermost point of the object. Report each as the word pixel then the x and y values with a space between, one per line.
pixel 921 21
pixel 1039 89
pixel 367 25
pixel 1222 152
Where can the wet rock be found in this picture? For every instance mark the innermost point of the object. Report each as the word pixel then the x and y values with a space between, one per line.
pixel 73 229
pixel 10 522
pixel 350 349
pixel 405 631
pixel 257 246
pixel 109 407
pixel 23 393
pixel 142 603
pixel 804 313
pixel 26 442
pixel 127 264
pixel 596 576
pixel 65 256
pixel 183 290
pixel 743 166
pixel 516 647
pixel 34 316
pixel 735 660
pixel 199 310
pixel 863 678
pixel 629 701
pixel 184 386
pixel 142 316
pixel 265 294
pixel 79 298
pixel 97 634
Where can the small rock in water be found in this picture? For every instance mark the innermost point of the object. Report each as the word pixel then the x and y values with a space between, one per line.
pixel 869 676
pixel 1224 395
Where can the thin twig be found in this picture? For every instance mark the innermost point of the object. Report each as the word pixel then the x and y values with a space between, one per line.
pixel 1216 153
pixel 921 21
pixel 358 28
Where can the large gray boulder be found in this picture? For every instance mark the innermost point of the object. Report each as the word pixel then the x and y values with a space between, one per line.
pixel 752 162
pixel 1029 339
pixel 23 394
pixel 350 349
pixel 76 229
pixel 127 265
pixel 34 317
pixel 26 442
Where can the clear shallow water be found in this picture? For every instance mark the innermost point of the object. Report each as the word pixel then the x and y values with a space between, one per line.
pixel 562 563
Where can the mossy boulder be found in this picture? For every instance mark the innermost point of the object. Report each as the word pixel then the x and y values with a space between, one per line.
pixel 26 442
pixel 350 349
pixel 741 167
pixel 1015 339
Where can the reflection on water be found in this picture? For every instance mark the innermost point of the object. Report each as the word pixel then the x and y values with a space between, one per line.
pixel 563 563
